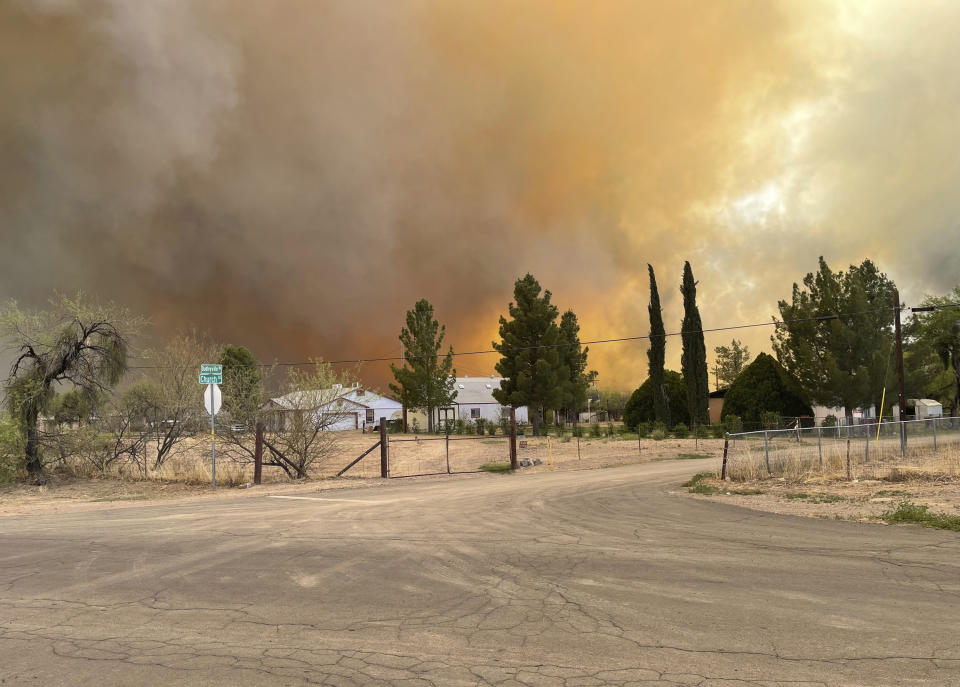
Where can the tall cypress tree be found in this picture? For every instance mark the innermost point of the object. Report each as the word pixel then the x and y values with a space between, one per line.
pixel 656 354
pixel 693 361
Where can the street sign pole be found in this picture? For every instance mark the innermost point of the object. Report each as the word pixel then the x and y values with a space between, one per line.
pixel 213 448
pixel 211 374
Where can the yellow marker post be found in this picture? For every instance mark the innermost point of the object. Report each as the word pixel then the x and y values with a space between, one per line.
pixel 883 399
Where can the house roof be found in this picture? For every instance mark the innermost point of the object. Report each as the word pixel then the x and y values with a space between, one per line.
pixel 719 393
pixel 308 400
pixel 475 390
pixel 354 396
pixel 369 399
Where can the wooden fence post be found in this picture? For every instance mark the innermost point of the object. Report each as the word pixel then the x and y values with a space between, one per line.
pixel 258 455
pixel 848 459
pixel 384 450
pixel 723 468
pixel 447 435
pixel 513 439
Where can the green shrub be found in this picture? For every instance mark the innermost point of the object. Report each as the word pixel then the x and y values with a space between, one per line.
pixel 595 430
pixel 762 388
pixel 770 420
pixel 733 423
pixel 658 434
pixel 12 462
pixel 643 429
pixel 492 428
pixel 577 431
pixel 718 430
pixel 680 431
pixel 611 430
pixel 701 431
pixel 911 512
pixel 460 427
pixel 639 407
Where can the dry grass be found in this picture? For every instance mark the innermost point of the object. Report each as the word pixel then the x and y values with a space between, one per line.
pixel 409 455
pixel 838 459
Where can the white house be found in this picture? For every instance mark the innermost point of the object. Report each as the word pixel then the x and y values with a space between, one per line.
pixel 346 408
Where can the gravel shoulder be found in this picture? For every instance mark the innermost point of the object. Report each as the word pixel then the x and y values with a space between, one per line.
pixel 861 500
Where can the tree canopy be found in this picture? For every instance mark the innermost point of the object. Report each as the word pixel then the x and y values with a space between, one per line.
pixel 75 343
pixel 765 386
pixel 640 405
pixel 835 335
pixel 426 378
pixel 574 359
pixel 932 351
pixel 729 362
pixel 242 384
pixel 693 360
pixel 531 364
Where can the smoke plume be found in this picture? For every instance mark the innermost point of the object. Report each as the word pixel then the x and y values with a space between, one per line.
pixel 294 176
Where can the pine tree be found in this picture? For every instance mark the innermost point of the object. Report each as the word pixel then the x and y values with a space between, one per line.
pixel 534 374
pixel 693 360
pixel 574 357
pixel 424 381
pixel 656 354
pixel 836 334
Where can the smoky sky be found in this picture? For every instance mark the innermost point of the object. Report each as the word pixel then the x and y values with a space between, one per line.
pixel 293 175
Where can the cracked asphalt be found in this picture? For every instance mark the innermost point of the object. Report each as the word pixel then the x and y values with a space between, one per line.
pixel 603 577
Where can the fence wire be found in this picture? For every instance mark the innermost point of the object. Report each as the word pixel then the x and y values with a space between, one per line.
pixel 888 450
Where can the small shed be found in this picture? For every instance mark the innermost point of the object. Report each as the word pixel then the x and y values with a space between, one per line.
pixel 924 408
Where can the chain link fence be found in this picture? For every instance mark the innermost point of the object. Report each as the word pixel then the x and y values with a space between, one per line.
pixel 889 450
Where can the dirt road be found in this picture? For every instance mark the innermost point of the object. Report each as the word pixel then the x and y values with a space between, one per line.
pixel 602 577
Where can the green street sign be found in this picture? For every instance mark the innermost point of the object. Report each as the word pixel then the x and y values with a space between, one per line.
pixel 211 369
pixel 211 379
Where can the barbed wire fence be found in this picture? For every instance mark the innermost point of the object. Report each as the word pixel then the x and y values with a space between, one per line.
pixel 888 450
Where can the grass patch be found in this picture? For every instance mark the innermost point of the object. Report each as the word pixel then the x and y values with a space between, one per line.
pixel 496 467
pixel 747 492
pixel 921 515
pixel 134 497
pixel 692 456
pixel 813 498
pixel 696 486
pixel 892 492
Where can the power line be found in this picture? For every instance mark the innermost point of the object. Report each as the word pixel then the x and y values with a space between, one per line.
pixel 622 339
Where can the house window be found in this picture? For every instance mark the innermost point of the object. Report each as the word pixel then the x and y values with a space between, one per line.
pixel 474 413
pixel 369 414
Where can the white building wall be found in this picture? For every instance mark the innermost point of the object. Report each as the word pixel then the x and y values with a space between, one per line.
pixel 489 412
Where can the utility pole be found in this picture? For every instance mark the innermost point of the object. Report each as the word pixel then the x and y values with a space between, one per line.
pixel 901 402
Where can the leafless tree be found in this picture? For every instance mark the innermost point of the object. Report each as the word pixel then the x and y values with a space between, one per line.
pixel 303 420
pixel 172 400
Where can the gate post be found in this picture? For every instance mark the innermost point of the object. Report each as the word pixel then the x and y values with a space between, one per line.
pixel 258 455
pixel 384 450
pixel 513 439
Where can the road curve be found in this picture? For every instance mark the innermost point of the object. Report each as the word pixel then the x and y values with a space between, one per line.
pixel 603 577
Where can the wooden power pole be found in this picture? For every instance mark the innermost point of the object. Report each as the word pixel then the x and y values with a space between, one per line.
pixel 901 401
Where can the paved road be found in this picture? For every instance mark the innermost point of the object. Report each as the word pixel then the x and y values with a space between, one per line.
pixel 606 577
